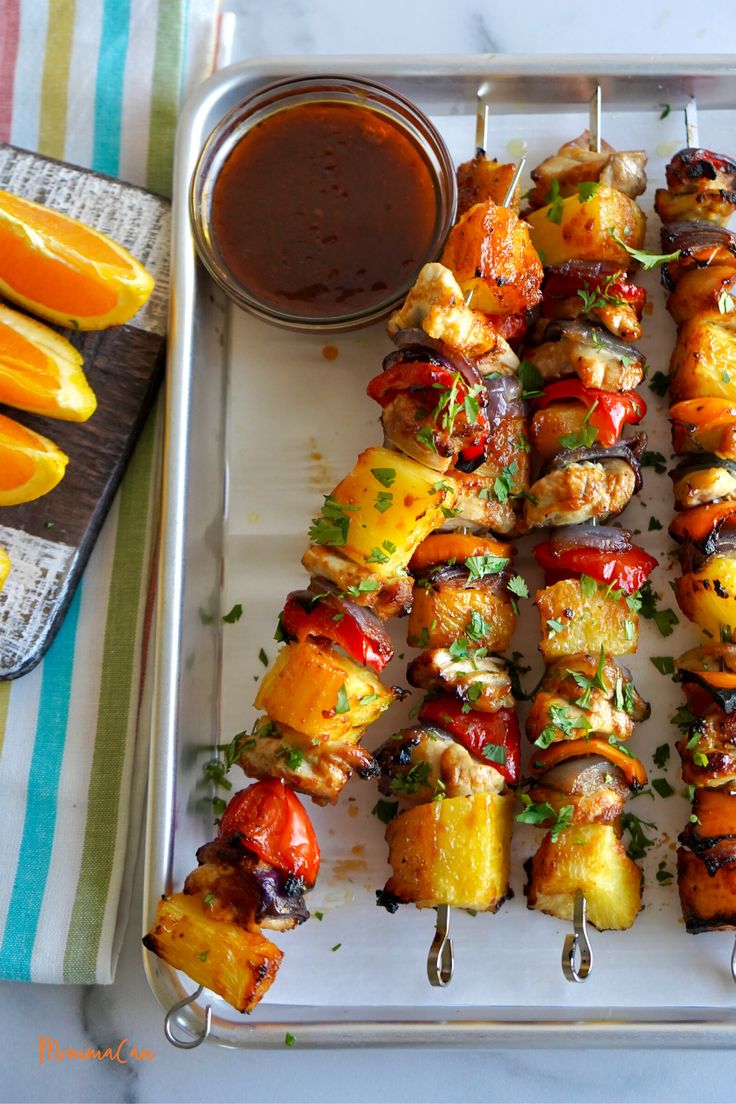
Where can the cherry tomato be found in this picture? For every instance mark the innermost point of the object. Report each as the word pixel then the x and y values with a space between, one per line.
pixel 626 571
pixel 491 737
pixel 274 824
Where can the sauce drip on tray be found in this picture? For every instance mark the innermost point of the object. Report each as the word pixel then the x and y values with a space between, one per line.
pixel 325 209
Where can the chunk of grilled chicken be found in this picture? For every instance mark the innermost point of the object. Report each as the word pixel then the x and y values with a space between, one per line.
pixel 436 305
pixel 575 163
pixel 611 705
pixel 320 770
pixel 579 350
pixel 490 253
pixel 703 362
pixel 453 852
pixel 572 623
pixel 579 492
pixel 701 186
pixel 482 179
pixel 508 458
pixel 710 761
pixel 237 964
pixel 589 858
pixel 619 319
pixel 483 681
pixel 420 763
pixel 708 294
pixel 408 422
pixel 708 898
pixel 592 788
pixel 391 597
pixel 710 483
pixel 233 886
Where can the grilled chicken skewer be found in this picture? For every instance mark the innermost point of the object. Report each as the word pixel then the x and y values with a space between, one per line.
pixel 455 766
pixel 700 276
pixel 586 706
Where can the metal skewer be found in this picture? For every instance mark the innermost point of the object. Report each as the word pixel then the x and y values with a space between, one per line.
pixel 441 955
pixel 594 125
pixel 691 123
pixel 170 1020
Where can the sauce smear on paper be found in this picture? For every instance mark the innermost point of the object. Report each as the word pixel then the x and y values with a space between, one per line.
pixel 325 209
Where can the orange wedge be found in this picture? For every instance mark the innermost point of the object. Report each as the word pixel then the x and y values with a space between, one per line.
pixel 41 371
pixel 64 271
pixel 4 567
pixel 30 465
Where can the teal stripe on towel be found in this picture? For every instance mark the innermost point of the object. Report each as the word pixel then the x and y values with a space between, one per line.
pixel 109 88
pixel 34 857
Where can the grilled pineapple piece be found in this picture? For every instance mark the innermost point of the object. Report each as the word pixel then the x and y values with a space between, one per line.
pixel 708 900
pixel 441 614
pixel 572 623
pixel 238 965
pixel 703 363
pixel 584 230
pixel 453 852
pixel 579 492
pixel 378 520
pixel 320 769
pixel 492 258
pixel 592 859
pixel 708 596
pixel 317 691
pixel 705 293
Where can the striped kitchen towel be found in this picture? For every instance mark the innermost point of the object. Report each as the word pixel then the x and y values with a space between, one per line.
pixel 98 83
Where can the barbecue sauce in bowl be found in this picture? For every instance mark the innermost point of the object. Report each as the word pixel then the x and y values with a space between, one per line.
pixel 318 211
pixel 324 208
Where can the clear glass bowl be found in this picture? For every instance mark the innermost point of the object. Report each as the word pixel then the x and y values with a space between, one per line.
pixel 291 93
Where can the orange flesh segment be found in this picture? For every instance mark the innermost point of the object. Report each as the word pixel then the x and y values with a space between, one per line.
pixel 62 228
pixel 65 289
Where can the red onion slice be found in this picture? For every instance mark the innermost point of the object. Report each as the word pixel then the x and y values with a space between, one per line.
pixel 629 449
pixel 606 538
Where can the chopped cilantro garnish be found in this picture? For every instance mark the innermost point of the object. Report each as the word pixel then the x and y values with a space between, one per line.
pixel 554 199
pixel 646 260
pixel 664 664
pixel 385 476
pixel 234 615
pixel 659 383
pixel 343 702
pixel 385 810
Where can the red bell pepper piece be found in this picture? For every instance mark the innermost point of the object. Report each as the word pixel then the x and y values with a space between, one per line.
pixel 417 374
pixel 626 571
pixel 563 282
pixel 610 410
pixel 326 616
pixel 491 737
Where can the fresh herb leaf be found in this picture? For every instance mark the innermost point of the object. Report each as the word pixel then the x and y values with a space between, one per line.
pixel 663 875
pixel 661 756
pixel 234 615
pixel 654 460
pixel 666 619
pixel 292 756
pixel 477 627
pixel 343 702
pixel 664 664
pixel 385 476
pixel 289 1039
pixel 425 436
pixel 659 383
pixel 263 657
pixel 531 379
pixel 495 753
pixel 639 842
pixel 588 586
pixel 585 436
pixel 384 501
pixel 365 586
pixel 662 787
pixel 377 556
pixel 554 626
pixel 517 585
pixel 665 111
pixel 646 260
pixel 385 810
pixel 416 777
pixel 488 564
pixel 654 525
pixel 587 189
pixel 554 199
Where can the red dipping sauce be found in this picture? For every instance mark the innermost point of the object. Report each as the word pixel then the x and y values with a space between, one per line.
pixel 325 209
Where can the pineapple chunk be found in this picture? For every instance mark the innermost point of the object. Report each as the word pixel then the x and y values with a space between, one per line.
pixel 708 900
pixel 317 691
pixel 703 363
pixel 453 852
pixel 379 520
pixel 583 232
pixel 237 964
pixel 708 596
pixel 440 615
pixel 592 859
pixel 571 623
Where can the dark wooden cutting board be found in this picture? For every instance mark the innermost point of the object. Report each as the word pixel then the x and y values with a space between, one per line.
pixel 49 541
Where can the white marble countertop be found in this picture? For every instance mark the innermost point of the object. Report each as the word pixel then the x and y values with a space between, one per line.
pixel 103 1015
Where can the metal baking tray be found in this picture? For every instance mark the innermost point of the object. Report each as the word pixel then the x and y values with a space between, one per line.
pixel 259 425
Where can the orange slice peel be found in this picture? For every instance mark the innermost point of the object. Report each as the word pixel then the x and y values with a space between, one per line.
pixel 30 465
pixel 64 271
pixel 4 567
pixel 40 371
